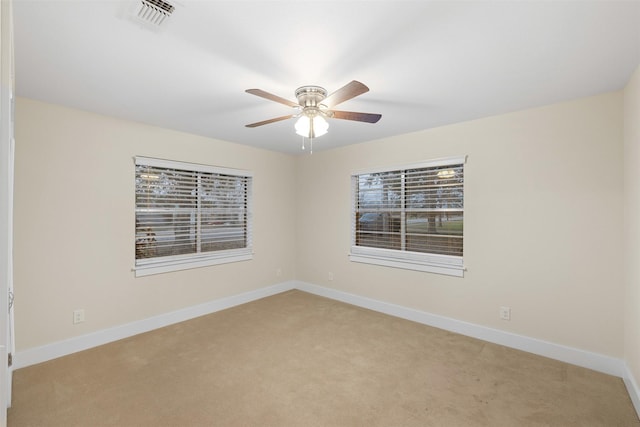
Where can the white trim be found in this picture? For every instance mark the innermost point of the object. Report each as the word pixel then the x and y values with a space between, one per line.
pixel 431 263
pixel 72 345
pixel 449 261
pixel 7 144
pixel 597 362
pixel 408 265
pixel 632 388
pixel 157 266
pixel 601 363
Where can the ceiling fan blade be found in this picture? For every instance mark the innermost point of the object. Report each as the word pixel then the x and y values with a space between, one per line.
pixel 345 93
pixel 358 117
pixel 271 97
pixel 266 122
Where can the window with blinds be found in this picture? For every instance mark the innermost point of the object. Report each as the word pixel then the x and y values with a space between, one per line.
pixel 190 215
pixel 411 217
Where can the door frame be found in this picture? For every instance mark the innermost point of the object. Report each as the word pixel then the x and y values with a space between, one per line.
pixel 6 202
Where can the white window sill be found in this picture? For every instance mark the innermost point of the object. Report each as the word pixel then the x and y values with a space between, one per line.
pixel 148 267
pixel 447 265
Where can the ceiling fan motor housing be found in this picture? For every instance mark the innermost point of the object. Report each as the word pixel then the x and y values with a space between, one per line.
pixel 310 96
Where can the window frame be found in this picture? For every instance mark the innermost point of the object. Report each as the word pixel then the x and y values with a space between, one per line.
pixel 450 265
pixel 165 264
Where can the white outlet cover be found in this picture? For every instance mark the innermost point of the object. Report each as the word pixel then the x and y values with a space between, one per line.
pixel 505 313
pixel 78 316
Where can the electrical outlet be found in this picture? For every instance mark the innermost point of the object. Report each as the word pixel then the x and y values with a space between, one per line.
pixel 330 276
pixel 278 272
pixel 78 315
pixel 505 313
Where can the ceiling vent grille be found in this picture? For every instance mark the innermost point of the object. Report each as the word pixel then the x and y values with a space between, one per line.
pixel 154 11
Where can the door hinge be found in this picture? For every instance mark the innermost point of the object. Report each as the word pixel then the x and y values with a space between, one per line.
pixel 10 359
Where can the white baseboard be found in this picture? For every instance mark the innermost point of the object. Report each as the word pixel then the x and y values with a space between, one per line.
pixel 597 362
pixel 632 388
pixel 62 348
pixel 606 364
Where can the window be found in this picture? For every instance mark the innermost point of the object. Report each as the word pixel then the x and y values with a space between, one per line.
pixel 190 215
pixel 410 217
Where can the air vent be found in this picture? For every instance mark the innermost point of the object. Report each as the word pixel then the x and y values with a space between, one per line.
pixel 154 11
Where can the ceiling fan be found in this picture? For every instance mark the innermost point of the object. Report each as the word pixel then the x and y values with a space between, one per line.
pixel 314 106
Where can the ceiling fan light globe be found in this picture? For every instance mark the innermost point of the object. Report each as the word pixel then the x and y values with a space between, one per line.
pixel 303 126
pixel 320 126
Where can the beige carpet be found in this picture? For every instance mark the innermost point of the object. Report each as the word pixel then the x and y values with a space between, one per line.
pixel 296 359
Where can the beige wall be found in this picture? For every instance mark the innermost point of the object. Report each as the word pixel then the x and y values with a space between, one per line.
pixel 74 223
pixel 543 229
pixel 632 223
pixel 543 223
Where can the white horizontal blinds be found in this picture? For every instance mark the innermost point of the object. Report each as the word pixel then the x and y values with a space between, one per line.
pixel 181 211
pixel 378 210
pixel 166 208
pixel 417 210
pixel 434 205
pixel 223 212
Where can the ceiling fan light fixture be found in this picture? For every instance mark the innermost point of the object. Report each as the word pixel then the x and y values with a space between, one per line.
pixel 311 127
pixel 314 107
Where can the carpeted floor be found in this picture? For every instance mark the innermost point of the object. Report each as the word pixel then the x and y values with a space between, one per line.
pixel 296 359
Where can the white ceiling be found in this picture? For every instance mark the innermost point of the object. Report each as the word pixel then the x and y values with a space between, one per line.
pixel 427 63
